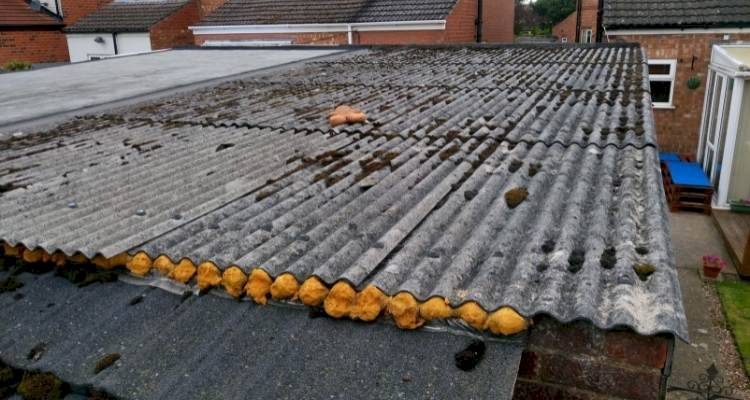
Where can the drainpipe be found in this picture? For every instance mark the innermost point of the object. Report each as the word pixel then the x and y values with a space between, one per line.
pixel 599 22
pixel 579 6
pixel 349 33
pixel 479 21
pixel 114 42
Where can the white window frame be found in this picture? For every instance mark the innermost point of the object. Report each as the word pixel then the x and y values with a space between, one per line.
pixel 671 77
pixel 587 35
pixel 564 39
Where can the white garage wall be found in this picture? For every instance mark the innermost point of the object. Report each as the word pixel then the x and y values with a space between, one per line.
pixel 128 43
pixel 82 46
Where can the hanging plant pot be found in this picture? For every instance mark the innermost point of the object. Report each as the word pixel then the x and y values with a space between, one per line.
pixel 694 82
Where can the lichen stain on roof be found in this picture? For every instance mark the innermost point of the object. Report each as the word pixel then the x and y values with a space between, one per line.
pixel 451 131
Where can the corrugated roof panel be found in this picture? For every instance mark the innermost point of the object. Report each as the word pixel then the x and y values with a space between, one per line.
pixel 419 199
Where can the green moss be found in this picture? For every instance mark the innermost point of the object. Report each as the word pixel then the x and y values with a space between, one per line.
pixel 10 284
pixel 516 196
pixel 7 382
pixel 644 271
pixel 106 362
pixel 735 300
pixel 40 386
pixel 15 65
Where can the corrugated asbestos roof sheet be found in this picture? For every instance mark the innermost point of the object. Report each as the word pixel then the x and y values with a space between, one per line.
pixel 126 16
pixel 264 12
pixel 19 13
pixel 174 347
pixel 248 173
pixel 675 13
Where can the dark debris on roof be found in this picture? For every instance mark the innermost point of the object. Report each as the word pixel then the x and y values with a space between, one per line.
pixel 418 199
pixel 621 14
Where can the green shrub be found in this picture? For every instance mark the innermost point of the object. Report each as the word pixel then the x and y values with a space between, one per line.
pixel 40 386
pixel 15 65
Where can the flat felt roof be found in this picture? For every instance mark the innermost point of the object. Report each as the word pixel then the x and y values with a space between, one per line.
pixel 208 347
pixel 249 173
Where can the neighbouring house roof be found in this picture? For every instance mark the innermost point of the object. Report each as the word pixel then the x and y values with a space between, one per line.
pixel 620 14
pixel 197 348
pixel 126 16
pixel 18 13
pixel 264 12
pixel 415 200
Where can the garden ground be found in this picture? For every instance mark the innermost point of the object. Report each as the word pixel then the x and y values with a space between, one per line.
pixel 695 235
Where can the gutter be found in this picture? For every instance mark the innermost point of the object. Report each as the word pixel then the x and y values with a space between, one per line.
pixel 309 28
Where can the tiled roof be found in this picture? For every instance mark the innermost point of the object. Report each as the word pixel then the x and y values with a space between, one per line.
pixel 415 200
pixel 262 12
pixel 198 348
pixel 127 16
pixel 19 13
pixel 675 13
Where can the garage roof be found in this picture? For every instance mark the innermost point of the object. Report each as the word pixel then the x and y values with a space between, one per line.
pixel 197 348
pixel 264 12
pixel 619 14
pixel 19 13
pixel 415 200
pixel 126 16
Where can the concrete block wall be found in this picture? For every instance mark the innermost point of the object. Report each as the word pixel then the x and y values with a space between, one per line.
pixel 580 361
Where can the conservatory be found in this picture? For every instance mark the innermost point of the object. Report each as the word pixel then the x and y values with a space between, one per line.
pixel 724 149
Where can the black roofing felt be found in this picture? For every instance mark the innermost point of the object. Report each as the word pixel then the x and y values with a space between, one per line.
pixel 263 12
pixel 126 16
pixel 675 13
pixel 249 173
pixel 215 348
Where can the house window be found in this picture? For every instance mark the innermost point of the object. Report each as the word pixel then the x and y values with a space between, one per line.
pixel 661 76
pixel 564 39
pixel 586 35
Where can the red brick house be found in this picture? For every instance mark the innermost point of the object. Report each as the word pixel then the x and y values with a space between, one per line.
pixel 335 22
pixel 582 30
pixel 31 31
pixel 133 26
pixel 677 36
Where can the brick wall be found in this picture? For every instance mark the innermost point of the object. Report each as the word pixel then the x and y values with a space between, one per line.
pixel 460 25
pixel 35 46
pixel 73 10
pixel 678 128
pixel 497 21
pixel 579 361
pixel 567 28
pixel 208 6
pixel 173 30
pixel 399 37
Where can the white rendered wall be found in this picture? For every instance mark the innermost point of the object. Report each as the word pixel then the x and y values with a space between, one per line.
pixel 82 46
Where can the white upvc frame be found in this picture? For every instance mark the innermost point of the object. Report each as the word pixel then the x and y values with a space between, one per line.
pixel 721 195
pixel 314 28
pixel 733 125
pixel 587 35
pixel 671 78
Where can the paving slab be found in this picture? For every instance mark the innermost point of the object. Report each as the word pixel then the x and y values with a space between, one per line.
pixel 693 236
pixel 39 93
